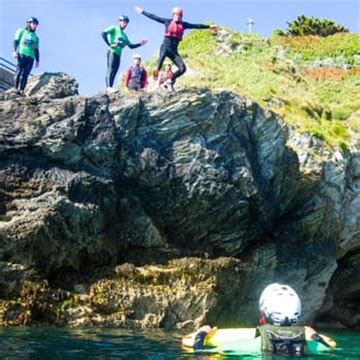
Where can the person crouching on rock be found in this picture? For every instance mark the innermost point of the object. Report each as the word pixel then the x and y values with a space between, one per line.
pixel 26 49
pixel 136 76
pixel 174 31
pixel 165 79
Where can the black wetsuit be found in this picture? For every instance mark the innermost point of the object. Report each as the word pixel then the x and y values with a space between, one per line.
pixel 24 66
pixel 113 60
pixel 169 47
pixel 199 341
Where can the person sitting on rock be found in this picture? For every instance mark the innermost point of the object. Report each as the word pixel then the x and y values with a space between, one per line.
pixel 280 310
pixel 165 78
pixel 26 49
pixel 136 76
pixel 174 31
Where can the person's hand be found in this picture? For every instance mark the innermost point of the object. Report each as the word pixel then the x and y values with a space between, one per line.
pixel 138 9
pixel 309 332
pixel 144 41
pixel 214 29
pixel 36 64
pixel 15 54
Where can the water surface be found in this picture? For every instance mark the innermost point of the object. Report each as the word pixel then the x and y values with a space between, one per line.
pixel 55 343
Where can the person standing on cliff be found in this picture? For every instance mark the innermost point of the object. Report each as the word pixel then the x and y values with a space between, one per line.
pixel 26 50
pixel 116 39
pixel 174 31
pixel 136 76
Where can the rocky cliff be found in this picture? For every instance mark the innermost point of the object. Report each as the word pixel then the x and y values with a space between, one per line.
pixel 169 210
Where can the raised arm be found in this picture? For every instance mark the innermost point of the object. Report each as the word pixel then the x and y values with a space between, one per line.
pixel 151 16
pixel 187 25
pixel 127 42
pixel 195 26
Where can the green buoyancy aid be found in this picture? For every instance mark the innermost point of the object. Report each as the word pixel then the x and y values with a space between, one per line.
pixel 283 340
pixel 114 34
pixel 28 42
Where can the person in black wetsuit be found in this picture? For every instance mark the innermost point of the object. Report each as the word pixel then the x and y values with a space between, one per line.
pixel 174 31
pixel 26 50
pixel 116 39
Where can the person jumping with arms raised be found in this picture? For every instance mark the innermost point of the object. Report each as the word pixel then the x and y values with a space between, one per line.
pixel 174 31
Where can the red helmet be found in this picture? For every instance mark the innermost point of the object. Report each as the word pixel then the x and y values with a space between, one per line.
pixel 177 10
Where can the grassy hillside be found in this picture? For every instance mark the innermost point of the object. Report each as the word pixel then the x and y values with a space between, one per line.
pixel 314 83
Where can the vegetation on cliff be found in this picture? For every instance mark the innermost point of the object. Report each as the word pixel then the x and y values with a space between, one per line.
pixel 312 81
pixel 304 25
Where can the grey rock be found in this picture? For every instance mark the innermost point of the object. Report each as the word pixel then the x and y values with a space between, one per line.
pixel 95 182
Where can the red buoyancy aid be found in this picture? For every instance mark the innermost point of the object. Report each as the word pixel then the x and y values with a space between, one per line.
pixel 175 30
pixel 135 77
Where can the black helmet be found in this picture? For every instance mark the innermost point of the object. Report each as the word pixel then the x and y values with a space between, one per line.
pixel 124 18
pixel 33 19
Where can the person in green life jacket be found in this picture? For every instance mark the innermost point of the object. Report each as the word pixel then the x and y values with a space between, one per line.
pixel 279 312
pixel 116 39
pixel 26 50
pixel 174 31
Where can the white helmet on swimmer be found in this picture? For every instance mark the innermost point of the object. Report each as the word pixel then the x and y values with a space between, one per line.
pixel 280 305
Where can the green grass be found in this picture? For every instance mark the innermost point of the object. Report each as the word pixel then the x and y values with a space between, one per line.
pixel 253 67
pixel 314 47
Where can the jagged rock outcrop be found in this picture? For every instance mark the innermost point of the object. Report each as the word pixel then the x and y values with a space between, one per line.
pixel 90 183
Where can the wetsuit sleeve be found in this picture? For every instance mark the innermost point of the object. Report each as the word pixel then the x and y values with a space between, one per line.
pixel 16 45
pixel 125 40
pixel 134 46
pixel 37 55
pixel 18 35
pixel 317 337
pixel 195 26
pixel 155 17
pixel 104 36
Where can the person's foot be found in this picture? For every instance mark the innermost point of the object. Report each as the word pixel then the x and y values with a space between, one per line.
pixel 110 90
pixel 155 73
pixel 21 93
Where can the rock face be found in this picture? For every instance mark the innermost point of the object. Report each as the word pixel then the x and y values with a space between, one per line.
pixel 169 211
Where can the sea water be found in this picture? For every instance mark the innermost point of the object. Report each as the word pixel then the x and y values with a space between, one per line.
pixel 56 343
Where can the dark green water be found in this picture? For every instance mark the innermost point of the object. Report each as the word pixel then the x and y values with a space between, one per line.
pixel 53 343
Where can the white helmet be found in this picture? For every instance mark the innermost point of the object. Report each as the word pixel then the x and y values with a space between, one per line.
pixel 280 305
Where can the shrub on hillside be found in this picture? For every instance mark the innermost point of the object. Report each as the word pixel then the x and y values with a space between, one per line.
pixel 304 25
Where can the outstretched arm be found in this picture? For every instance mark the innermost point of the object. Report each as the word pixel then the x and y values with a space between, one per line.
pixel 312 334
pixel 200 26
pixel 150 16
pixel 134 46
pixel 195 26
